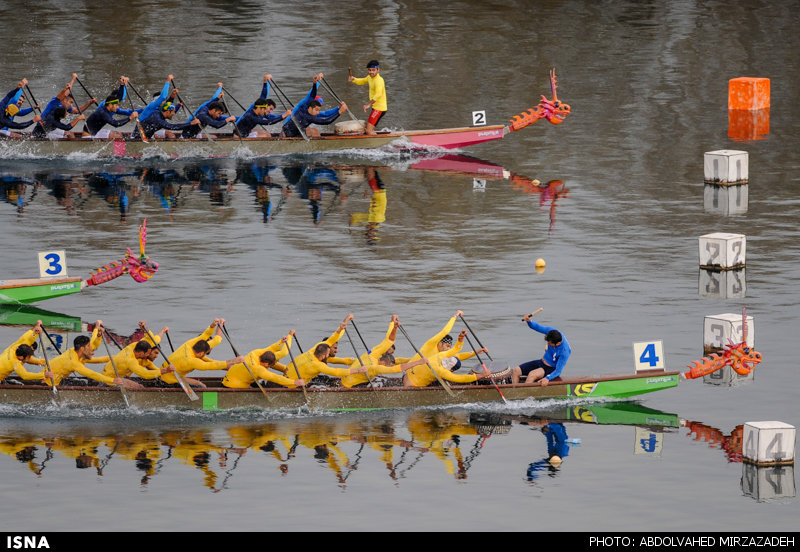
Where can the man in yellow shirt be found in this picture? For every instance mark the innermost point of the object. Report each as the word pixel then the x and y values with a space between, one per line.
pixel 436 349
pixel 372 358
pixel 260 361
pixel 377 94
pixel 193 355
pixel 19 353
pixel 137 358
pixel 82 353
pixel 312 363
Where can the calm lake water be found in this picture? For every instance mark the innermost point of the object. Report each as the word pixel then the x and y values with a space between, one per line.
pixel 300 241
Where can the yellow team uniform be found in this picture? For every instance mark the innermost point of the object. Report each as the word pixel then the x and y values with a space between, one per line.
pixel 370 361
pixel 185 360
pixel 128 364
pixel 10 363
pixel 421 376
pixel 238 377
pixel 68 362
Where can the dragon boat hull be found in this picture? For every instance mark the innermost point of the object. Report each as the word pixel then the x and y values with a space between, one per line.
pixel 30 290
pixel 227 145
pixel 337 398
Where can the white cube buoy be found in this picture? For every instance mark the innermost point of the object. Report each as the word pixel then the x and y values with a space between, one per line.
pixel 719 329
pixel 768 443
pixel 722 251
pixel 726 167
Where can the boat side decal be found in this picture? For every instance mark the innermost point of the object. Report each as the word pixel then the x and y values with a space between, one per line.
pixel 583 389
pixel 210 400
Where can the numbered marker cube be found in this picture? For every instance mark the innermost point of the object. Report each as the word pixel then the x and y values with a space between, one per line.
pixel 52 264
pixel 722 251
pixel 725 200
pixel 648 355
pixel 478 118
pixel 729 284
pixel 769 442
pixel 719 328
pixel 726 166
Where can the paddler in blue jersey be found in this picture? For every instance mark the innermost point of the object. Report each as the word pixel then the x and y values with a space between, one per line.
pixel 211 113
pixel 51 125
pixel 104 115
pixel 10 108
pixel 555 357
pixel 259 113
pixel 309 111
pixel 159 99
pixel 157 123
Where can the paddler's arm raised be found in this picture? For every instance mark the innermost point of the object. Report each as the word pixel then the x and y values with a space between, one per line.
pixel 340 331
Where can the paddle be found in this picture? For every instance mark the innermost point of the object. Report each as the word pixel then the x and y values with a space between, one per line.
pixel 137 94
pixel 347 333
pixel 297 371
pixel 485 368
pixel 236 353
pixel 476 337
pixel 337 98
pixel 76 102
pixel 364 343
pixel 47 364
pixel 138 122
pixel 278 88
pixel 84 88
pixel 171 348
pixel 186 389
pixel 534 313
pixel 187 108
pixel 114 366
pixel 235 128
pixel 435 373
pixel 32 101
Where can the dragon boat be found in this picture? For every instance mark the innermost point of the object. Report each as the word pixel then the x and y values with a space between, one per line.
pixel 31 290
pixel 217 397
pixel 222 144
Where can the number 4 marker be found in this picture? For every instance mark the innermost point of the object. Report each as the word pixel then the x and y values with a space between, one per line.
pixel 648 355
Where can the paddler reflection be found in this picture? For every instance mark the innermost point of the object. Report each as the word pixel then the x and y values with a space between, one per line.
pixel 311 183
pixel 557 450
pixel 259 177
pixel 377 207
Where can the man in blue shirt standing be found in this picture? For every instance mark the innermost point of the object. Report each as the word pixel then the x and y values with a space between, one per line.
pixel 551 364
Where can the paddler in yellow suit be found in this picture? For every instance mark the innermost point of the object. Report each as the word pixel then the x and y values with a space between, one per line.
pixel 377 361
pixel 312 363
pixel 260 361
pixel 436 349
pixel 192 356
pixel 76 358
pixel 20 353
pixel 137 358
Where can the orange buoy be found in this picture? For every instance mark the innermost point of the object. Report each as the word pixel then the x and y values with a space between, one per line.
pixel 748 93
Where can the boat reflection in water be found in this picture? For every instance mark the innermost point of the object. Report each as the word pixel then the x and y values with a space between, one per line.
pixel 394 443
pixel 324 185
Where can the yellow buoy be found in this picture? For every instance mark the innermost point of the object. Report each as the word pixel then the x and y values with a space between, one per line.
pixel 540 264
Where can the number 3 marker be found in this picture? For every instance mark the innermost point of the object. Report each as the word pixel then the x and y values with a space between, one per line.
pixel 52 264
